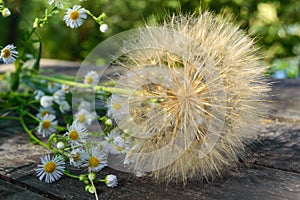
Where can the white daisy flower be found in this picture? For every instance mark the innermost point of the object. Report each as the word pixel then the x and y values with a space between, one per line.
pixel 45 111
pixel 64 106
pixel 85 105
pixel 6 12
pixel 9 54
pixel 59 96
pixel 46 126
pixel 109 110
pixel 53 87
pixel 77 133
pixel 57 3
pixel 119 143
pixel 131 155
pixel 78 157
pixel 111 181
pixel 97 159
pixel 110 138
pixel 139 174
pixel 75 16
pixel 91 78
pixel 85 117
pixel 38 94
pixel 46 101
pixel 116 108
pixel 112 135
pixel 51 169
pixel 103 28
pixel 65 88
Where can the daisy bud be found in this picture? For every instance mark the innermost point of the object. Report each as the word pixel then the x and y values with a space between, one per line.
pixel 103 28
pixel 60 145
pixel 92 176
pixel 139 174
pixel 111 181
pixel 108 122
pixel 90 189
pixel 6 12
pixel 82 177
pixel 46 101
pixel 36 23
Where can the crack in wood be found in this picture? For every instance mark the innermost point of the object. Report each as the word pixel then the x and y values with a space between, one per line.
pixel 257 165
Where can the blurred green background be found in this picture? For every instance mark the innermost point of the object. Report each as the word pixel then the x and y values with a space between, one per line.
pixel 275 25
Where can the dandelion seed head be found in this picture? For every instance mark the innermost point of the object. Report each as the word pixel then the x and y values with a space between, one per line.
pixel 202 95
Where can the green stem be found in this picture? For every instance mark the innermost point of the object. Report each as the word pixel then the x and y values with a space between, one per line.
pixel 96 195
pixel 82 85
pixel 18 64
pixel 31 135
pixel 9 118
pixel 33 117
pixel 70 175
pixel 93 16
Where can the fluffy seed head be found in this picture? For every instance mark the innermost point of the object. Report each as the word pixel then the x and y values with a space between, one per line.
pixel 201 96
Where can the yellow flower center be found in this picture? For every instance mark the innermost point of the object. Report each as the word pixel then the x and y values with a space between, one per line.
pixel 73 135
pixel 89 80
pixel 50 167
pixel 76 157
pixel 45 112
pixel 116 106
pixel 118 148
pixel 51 84
pixel 81 118
pixel 5 53
pixel 74 15
pixel 46 124
pixel 93 161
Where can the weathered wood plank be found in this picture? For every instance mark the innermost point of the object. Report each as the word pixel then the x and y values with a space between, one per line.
pixel 286 101
pixel 248 183
pixel 9 191
pixel 278 147
pixel 17 154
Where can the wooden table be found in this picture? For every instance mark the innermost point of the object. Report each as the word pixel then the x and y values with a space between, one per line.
pixel 272 170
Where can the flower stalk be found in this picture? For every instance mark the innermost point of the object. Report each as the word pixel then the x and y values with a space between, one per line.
pixel 103 88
